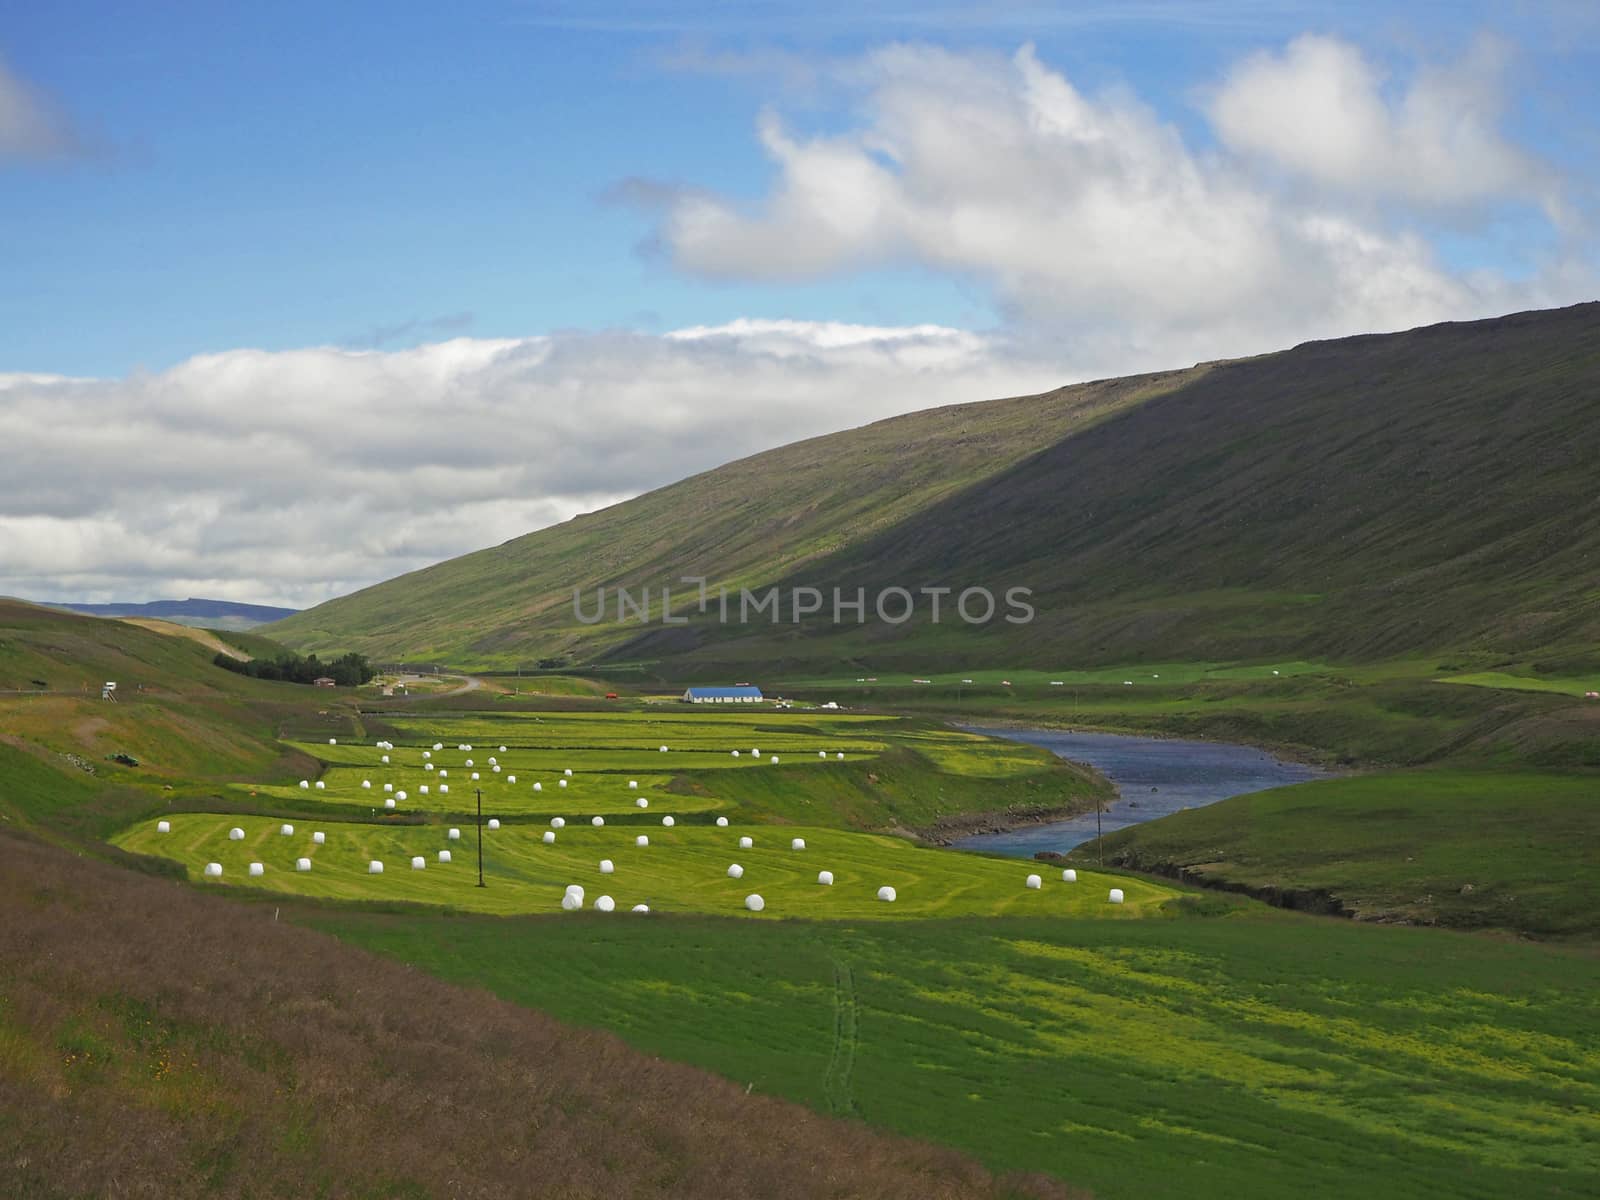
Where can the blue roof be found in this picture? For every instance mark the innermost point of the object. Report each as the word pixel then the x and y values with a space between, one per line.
pixel 725 693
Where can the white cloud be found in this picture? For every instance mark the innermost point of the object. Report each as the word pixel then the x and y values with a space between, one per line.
pixel 291 477
pixel 1091 218
pixel 1320 111
pixel 30 126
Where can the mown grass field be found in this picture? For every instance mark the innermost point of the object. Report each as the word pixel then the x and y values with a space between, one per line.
pixel 682 869
pixel 1473 849
pixel 1249 1053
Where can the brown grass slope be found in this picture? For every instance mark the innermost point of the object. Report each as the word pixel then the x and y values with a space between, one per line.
pixel 159 1042
pixel 747 522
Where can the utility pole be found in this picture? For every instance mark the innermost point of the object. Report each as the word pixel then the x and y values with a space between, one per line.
pixel 480 837
pixel 1099 845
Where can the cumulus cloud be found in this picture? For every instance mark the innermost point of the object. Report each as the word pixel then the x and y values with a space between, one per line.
pixel 291 477
pixel 30 126
pixel 1090 216
pixel 1319 110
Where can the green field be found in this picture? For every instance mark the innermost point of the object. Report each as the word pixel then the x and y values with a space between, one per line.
pixel 1251 1053
pixel 683 869
pixel 1473 849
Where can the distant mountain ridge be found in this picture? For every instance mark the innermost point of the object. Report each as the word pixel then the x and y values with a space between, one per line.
pixel 216 614
pixel 1353 499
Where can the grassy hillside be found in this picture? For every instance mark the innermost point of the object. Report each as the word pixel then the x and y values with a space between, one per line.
pixel 1351 499
pixel 1248 1053
pixel 159 1042
pixel 751 521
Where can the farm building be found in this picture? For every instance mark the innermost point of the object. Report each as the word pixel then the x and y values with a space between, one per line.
pixel 722 695
pixel 325 681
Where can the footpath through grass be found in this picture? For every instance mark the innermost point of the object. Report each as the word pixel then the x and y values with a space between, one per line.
pixel 1255 1055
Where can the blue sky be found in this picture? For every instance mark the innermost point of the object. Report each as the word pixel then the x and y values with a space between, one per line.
pixel 289 175
pixel 298 297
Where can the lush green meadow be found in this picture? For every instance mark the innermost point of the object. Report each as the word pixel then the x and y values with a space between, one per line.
pixel 1474 849
pixel 1242 1054
pixel 682 869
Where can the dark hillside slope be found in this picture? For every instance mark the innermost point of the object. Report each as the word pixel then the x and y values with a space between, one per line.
pixel 748 522
pixel 1358 498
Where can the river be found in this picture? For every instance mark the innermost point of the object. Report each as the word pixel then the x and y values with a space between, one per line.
pixel 1154 777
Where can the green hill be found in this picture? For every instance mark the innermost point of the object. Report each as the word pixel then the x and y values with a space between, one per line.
pixel 1352 499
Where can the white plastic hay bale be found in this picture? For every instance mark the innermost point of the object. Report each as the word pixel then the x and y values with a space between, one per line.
pixel 494 822
pixel 1116 896
pixel 302 864
pixel 754 902
pixel 320 786
pixel 422 789
pixel 1035 882
pixel 468 762
pixel 604 904
pixel 736 754
pixel 236 834
pixel 887 894
pixel 454 835
pixel 319 838
pixel 427 754
pixel 511 778
pixel 607 866
pixel 538 787
pixel 633 785
pixel 642 840
pixel 474 775
pixel 495 768
pixel 213 870
pixel 840 754
pixel 797 843
pixel 1068 875
pixel 443 787
pixel 641 908
pixel 822 754
pixel 374 867
pixel 558 822
pixel 444 856
pixel 427 766
pixel 256 869
pixel 663 749
pixel 400 795
pixel 571 903
pixel 722 822
pixel 549 837
pixel 438 745
pixel 285 830
pixel 388 787
pixel 597 821
pixel 163 826
pixel 562 782
pixel 305 784
pixel 567 772
pixel 418 863
pixel 333 741
pixel 502 749
pixel 754 753
pixel 366 783
pixel 668 822
pixel 493 760
pixel 746 842
pixel 575 889
pixel 384 759
pixel 388 803
pixel 772 758
pixel 735 871
pixel 641 802
pixel 825 878
pixel 444 773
